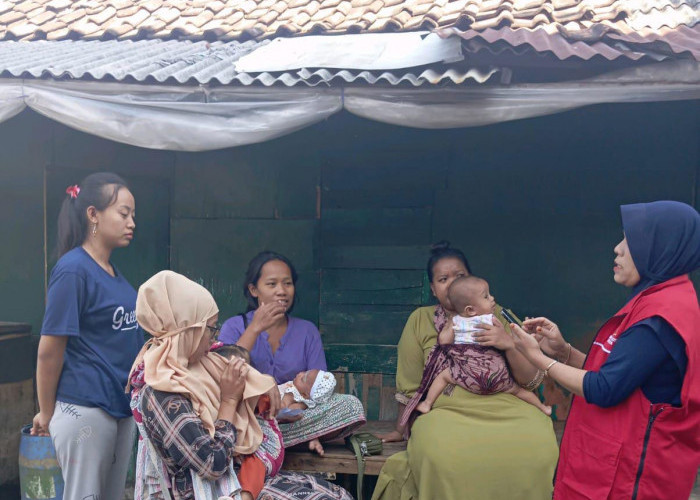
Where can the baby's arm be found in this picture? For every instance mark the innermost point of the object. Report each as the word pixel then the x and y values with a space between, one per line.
pixel 297 406
pixel 447 335
pixel 287 400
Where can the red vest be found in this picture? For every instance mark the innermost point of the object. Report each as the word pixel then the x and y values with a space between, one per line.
pixel 637 450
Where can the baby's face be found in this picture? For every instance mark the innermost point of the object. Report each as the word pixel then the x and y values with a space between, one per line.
pixel 481 300
pixel 304 381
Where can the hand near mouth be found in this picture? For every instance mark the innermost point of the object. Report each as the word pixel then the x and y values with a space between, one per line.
pixel 267 315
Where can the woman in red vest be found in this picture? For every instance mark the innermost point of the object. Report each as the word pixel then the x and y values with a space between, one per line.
pixel 633 431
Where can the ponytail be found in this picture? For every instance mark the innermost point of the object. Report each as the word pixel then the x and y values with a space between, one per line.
pixel 97 190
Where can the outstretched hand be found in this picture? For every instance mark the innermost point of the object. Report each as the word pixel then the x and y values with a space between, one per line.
pixel 547 334
pixel 525 343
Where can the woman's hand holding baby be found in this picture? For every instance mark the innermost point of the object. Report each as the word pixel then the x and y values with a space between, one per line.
pixel 494 336
pixel 233 380
pixel 232 384
pixel 447 334
pixel 275 403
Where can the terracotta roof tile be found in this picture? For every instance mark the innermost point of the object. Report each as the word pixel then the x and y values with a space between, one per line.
pixel 420 9
pixel 104 16
pixel 202 18
pixel 369 18
pixel 312 7
pixel 269 17
pixel 128 11
pixel 232 19
pixel 389 13
pixel 85 28
pixel 344 7
pixel 10 17
pixel 225 12
pixel 52 26
pixel 280 7
pixel 235 17
pixel 249 6
pixel 166 14
pixel 301 19
pixel 19 29
pixel 152 5
pixel 413 23
pixel 322 14
pixel 139 17
pixel 336 19
pixel 434 13
pixel 153 25
pixel 325 4
pixel 287 15
pixel 121 29
pixel 91 10
pixel 25 7
pixel 355 13
pixel 59 34
pixel 121 4
pixel 375 6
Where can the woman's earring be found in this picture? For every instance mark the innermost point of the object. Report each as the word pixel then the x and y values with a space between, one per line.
pixel 94 229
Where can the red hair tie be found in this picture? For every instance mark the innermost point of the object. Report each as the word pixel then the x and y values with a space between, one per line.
pixel 73 191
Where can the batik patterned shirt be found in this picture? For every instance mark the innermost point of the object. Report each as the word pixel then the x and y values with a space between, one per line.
pixel 182 441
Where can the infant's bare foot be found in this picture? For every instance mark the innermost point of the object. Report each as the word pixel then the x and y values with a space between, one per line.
pixel 424 407
pixel 315 445
pixel 246 495
pixel 391 437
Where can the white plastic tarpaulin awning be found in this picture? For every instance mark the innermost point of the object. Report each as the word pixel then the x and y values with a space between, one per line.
pixel 200 118
pixel 367 51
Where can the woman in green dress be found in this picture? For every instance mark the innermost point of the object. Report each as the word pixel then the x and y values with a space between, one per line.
pixel 468 446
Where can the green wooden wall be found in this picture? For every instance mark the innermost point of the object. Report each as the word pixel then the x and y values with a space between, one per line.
pixel 356 204
pixel 38 160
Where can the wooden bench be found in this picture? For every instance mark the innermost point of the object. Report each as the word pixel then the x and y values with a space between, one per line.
pixel 340 460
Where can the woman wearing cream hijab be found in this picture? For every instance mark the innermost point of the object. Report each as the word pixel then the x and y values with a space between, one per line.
pixel 197 407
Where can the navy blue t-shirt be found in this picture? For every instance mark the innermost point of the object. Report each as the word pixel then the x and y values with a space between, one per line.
pixel 97 312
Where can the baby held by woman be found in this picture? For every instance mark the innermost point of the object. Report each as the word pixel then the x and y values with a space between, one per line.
pixel 308 389
pixel 459 360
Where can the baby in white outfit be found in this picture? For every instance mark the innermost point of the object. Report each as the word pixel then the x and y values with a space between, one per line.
pixel 308 389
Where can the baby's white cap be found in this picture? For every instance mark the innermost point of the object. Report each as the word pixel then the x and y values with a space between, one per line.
pixel 323 386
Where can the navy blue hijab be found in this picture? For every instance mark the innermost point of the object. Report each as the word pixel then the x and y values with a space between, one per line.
pixel 663 238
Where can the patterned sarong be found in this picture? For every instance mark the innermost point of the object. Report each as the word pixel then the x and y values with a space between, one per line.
pixel 478 369
pixel 339 416
pixel 295 486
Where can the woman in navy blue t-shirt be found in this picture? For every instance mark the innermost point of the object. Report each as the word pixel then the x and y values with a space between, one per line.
pixel 89 339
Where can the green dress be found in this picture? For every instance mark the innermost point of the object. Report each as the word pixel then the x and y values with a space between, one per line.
pixel 468 446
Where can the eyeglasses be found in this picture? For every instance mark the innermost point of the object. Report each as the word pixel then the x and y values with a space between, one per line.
pixel 214 331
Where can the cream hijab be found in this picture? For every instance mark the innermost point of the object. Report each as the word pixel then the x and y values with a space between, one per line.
pixel 175 311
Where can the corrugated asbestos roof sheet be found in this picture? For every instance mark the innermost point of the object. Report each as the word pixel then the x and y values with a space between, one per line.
pixel 173 61
pixel 225 20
